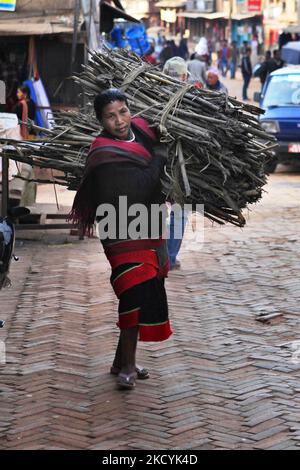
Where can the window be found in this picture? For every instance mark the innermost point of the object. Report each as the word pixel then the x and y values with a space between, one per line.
pixel 283 90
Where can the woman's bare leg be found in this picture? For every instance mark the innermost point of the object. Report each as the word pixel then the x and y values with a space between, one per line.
pixel 118 354
pixel 128 340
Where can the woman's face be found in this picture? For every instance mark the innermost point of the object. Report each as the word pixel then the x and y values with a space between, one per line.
pixel 212 78
pixel 116 119
pixel 20 94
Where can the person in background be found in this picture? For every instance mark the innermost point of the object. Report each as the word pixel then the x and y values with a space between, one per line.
pixel 246 68
pixel 264 69
pixel 210 51
pixel 201 49
pixel 150 56
pixel 243 50
pixel 234 60
pixel 160 40
pixel 284 38
pixel 276 62
pixel 254 50
pixel 25 109
pixel 169 50
pixel 183 50
pixel 213 81
pixel 197 69
pixel 176 68
pixel 225 55
pixel 158 47
pixel 217 47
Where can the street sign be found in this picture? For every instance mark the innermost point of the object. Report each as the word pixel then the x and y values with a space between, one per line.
pixel 8 5
pixel 254 5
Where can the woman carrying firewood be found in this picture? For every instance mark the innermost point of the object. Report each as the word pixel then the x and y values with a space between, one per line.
pixel 125 161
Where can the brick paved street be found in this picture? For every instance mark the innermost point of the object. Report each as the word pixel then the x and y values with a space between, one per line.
pixel 224 380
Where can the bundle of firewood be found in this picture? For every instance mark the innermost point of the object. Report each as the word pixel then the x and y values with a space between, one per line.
pixel 217 148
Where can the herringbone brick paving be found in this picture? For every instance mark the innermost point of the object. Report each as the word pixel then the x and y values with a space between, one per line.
pixel 223 381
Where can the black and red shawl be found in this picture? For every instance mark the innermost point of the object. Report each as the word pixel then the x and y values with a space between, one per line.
pixel 105 150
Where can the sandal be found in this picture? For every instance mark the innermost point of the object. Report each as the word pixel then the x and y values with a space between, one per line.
pixel 126 382
pixel 141 372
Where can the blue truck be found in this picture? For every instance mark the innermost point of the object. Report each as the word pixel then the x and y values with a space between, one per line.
pixel 280 98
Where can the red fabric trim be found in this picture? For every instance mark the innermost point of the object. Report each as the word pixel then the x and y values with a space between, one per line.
pixel 101 156
pixel 106 145
pixel 144 126
pixel 133 278
pixel 145 256
pixel 119 253
pixel 132 245
pixel 129 320
pixel 130 147
pixel 155 332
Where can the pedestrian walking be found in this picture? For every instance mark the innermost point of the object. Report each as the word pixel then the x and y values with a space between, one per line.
pixel 243 49
pixel 125 161
pixel 234 60
pixel 265 69
pixel 183 50
pixel 225 55
pixel 246 67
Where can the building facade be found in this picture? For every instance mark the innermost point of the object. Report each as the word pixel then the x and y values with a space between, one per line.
pixel 280 17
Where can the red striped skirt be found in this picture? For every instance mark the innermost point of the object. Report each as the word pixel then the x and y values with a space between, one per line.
pixel 138 272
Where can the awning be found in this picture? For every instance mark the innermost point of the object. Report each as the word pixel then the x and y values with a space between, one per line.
pixel 206 16
pixel 170 4
pixel 37 25
pixel 246 16
pixel 55 24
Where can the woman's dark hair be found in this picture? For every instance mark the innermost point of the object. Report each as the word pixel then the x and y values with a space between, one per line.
pixel 25 89
pixel 106 97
